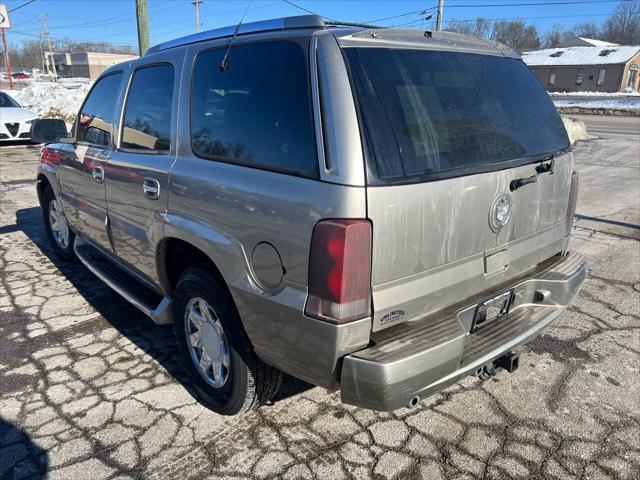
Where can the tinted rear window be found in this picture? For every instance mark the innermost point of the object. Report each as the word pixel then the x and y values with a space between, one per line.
pixel 428 115
pixel 258 111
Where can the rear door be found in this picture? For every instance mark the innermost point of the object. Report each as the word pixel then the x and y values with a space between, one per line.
pixel 469 174
pixel 138 170
pixel 82 168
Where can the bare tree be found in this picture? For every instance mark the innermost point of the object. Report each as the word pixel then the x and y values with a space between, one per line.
pixel 587 30
pixel 553 37
pixel 516 34
pixel 480 28
pixel 623 26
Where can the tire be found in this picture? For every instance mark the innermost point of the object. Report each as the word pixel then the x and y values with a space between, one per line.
pixel 246 382
pixel 60 237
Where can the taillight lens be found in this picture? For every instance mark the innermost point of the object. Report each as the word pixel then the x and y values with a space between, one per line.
pixel 50 156
pixel 573 200
pixel 340 271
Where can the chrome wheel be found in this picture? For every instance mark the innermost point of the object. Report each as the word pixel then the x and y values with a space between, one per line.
pixel 206 341
pixel 58 224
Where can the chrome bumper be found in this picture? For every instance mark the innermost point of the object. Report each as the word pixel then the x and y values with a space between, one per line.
pixel 421 358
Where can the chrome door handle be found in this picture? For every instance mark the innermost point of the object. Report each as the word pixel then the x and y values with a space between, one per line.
pixel 98 174
pixel 151 188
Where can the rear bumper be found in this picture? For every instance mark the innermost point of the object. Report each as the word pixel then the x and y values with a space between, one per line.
pixel 420 358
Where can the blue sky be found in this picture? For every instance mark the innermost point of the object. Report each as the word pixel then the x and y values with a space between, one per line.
pixel 113 21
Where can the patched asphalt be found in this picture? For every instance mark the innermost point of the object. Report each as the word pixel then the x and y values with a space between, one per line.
pixel 90 388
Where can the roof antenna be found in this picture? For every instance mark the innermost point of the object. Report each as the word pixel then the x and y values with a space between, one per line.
pixel 224 64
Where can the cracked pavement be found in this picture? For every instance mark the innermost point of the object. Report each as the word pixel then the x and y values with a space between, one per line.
pixel 90 388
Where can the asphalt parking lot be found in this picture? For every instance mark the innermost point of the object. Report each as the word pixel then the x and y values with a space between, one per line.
pixel 90 388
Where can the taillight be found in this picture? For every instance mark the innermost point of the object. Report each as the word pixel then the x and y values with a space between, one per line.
pixel 50 156
pixel 573 200
pixel 340 271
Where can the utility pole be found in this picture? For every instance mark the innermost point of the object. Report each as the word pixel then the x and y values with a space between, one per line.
pixel 196 3
pixel 142 16
pixel 7 62
pixel 45 33
pixel 4 24
pixel 439 16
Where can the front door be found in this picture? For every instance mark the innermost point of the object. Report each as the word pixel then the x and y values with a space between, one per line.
pixel 138 170
pixel 82 167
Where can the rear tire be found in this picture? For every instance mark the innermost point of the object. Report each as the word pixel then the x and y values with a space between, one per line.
pixel 59 234
pixel 215 349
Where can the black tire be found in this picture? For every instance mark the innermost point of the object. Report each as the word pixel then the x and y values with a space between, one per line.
pixel 65 253
pixel 250 382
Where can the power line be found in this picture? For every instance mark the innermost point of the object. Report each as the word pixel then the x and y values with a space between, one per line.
pixel 308 11
pixel 490 5
pixel 415 12
pixel 71 40
pixel 535 4
pixel 506 19
pixel 20 6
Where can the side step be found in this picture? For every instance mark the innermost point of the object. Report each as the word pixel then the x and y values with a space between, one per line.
pixel 144 298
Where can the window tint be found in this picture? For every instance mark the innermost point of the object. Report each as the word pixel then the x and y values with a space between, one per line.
pixel 147 114
pixel 7 101
pixel 96 116
pixel 428 115
pixel 257 112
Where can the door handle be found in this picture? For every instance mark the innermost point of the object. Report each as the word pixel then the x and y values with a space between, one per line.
pixel 98 174
pixel 151 188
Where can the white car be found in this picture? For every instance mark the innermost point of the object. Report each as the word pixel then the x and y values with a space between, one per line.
pixel 15 121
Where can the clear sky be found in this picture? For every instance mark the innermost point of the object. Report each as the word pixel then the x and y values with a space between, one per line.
pixel 113 21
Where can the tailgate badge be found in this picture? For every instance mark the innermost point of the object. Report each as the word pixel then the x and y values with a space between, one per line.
pixel 500 212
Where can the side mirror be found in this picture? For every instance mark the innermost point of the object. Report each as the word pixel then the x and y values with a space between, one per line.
pixel 48 130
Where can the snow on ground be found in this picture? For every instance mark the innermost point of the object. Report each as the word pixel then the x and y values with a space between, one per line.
pixel 60 99
pixel 595 94
pixel 618 103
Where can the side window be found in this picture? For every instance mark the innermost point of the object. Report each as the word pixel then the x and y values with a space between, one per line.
pixel 96 116
pixel 579 76
pixel 552 77
pixel 258 111
pixel 601 74
pixel 147 113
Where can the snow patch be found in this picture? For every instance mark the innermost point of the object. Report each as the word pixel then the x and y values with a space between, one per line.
pixel 576 130
pixel 594 94
pixel 60 99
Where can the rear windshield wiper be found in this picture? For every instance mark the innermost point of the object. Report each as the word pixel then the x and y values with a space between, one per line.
pixel 540 169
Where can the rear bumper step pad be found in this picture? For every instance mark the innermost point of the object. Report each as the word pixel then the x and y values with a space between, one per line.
pixel 420 358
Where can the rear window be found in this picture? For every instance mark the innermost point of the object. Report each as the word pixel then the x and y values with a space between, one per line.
pixel 428 115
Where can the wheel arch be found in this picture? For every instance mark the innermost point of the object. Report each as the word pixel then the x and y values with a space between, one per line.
pixel 175 256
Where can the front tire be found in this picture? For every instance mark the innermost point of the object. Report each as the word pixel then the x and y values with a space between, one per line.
pixel 59 234
pixel 215 349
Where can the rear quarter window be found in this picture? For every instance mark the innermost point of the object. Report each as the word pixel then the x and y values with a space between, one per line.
pixel 427 115
pixel 257 112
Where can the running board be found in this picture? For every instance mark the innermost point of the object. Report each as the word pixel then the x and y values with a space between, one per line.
pixel 144 298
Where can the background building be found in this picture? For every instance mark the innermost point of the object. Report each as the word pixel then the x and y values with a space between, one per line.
pixel 86 64
pixel 583 64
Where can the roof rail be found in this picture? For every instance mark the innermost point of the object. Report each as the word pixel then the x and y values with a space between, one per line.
pixel 285 23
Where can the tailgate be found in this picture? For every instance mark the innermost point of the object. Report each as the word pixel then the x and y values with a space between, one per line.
pixel 433 245
pixel 469 174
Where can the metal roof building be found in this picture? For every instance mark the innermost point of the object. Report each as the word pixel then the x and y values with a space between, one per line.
pixel 583 64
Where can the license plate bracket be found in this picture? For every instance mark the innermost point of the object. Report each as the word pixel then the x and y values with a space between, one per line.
pixel 492 309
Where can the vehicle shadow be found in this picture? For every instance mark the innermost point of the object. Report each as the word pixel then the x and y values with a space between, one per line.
pixel 156 341
pixel 20 457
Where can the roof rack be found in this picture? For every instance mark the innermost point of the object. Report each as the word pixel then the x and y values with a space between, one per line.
pixel 285 23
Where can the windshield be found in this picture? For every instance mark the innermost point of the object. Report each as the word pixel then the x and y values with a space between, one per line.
pixel 427 115
pixel 7 102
